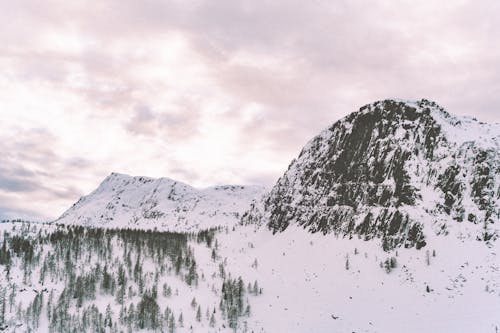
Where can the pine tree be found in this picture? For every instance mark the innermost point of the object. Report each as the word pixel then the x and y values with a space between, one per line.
pixel 108 321
pixel 192 276
pixel 212 320
pixel 131 315
pixel 255 288
pixel 2 307
pixel 393 262
pixel 171 324
pixel 198 314
pixel 167 291
pixel 240 294
pixel 181 320
pixel 222 271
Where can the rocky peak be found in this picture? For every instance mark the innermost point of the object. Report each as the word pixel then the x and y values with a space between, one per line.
pixel 394 170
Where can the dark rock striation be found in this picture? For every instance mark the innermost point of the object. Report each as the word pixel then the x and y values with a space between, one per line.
pixel 393 170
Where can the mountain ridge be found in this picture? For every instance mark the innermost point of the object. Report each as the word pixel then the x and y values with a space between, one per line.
pixel 389 170
pixel 160 203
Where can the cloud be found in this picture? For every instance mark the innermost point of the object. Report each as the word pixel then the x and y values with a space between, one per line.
pixel 179 121
pixel 216 91
pixel 143 121
pixel 16 184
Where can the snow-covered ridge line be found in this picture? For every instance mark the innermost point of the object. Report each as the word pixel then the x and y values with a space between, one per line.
pixel 457 129
pixel 396 170
pixel 160 203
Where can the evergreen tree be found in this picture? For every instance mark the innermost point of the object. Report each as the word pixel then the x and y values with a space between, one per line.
pixel 192 276
pixel 240 293
pixel 247 310
pixel 108 321
pixel 167 291
pixel 198 314
pixel 212 320
pixel 255 288
pixel 2 307
pixel 171 324
pixel 181 320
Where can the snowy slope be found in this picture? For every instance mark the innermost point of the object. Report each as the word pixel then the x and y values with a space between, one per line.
pixel 164 204
pixel 310 283
pixel 394 170
pixel 324 283
pixel 402 203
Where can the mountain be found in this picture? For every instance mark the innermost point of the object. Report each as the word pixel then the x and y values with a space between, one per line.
pixel 162 204
pixel 405 175
pixel 395 170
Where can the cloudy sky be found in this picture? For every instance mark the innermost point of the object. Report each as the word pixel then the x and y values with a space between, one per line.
pixel 211 92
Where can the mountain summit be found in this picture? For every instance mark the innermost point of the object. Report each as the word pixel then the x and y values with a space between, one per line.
pixel 395 170
pixel 123 201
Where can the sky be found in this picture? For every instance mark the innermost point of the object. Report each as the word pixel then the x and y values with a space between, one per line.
pixel 215 92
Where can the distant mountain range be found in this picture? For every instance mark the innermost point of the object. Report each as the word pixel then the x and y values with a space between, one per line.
pixel 123 201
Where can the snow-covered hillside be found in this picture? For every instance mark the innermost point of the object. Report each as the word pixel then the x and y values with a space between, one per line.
pixel 319 283
pixel 163 204
pixel 388 221
pixel 395 170
pixel 57 279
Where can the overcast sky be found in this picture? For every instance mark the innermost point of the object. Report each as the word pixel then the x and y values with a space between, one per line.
pixel 216 91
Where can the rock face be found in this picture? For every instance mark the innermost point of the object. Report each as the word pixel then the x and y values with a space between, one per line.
pixel 395 170
pixel 164 204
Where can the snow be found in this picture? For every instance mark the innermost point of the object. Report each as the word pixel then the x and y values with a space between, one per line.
pixel 459 142
pixel 460 130
pixel 315 282
pixel 162 204
pixel 307 288
pixel 305 283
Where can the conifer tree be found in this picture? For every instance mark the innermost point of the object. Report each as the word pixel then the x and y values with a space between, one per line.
pixel 108 321
pixel 171 324
pixel 198 314
pixel 2 307
pixel 181 320
pixel 212 320
pixel 255 288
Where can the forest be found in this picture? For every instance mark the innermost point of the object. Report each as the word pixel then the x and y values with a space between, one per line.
pixel 80 279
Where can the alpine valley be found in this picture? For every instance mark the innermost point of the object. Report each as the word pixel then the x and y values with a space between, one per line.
pixel 387 221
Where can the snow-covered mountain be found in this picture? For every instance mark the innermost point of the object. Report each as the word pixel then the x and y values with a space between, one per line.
pixel 394 170
pixel 388 221
pixel 164 204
